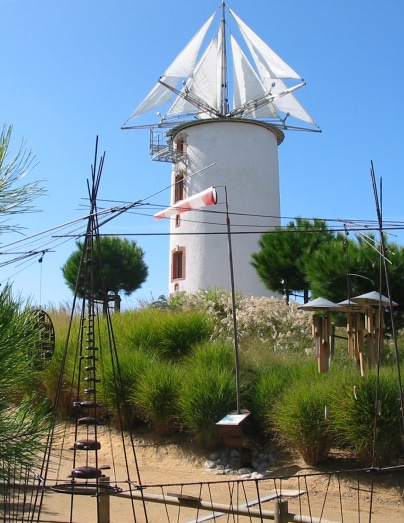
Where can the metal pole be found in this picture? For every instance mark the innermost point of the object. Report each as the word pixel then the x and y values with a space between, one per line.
pixel 233 298
pixel 224 90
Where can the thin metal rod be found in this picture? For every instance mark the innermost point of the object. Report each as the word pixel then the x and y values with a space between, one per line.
pixel 224 85
pixel 388 288
pixel 233 299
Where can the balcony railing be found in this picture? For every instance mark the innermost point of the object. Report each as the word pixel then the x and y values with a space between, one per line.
pixel 162 150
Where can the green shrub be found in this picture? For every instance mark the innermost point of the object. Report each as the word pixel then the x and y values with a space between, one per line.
pixel 219 355
pixel 262 392
pixel 23 412
pixel 280 385
pixel 156 396
pixel 145 328
pixel 300 419
pixel 264 375
pixel 368 429
pixel 119 382
pixel 59 379
pixel 181 331
pixel 170 334
pixel 208 393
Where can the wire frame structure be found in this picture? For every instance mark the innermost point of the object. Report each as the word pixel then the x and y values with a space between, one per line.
pixel 44 345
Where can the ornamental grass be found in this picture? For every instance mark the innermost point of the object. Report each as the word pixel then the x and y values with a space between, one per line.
pixel 119 382
pixel 208 393
pixel 177 372
pixel 366 417
pixel 265 381
pixel 156 396
pixel 301 420
pixel 170 334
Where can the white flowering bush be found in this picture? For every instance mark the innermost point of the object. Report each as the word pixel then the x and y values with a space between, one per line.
pixel 278 324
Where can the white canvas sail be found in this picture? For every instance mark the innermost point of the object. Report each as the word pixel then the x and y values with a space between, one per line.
pixel 289 104
pixel 157 97
pixel 266 60
pixel 247 85
pixel 259 89
pixel 182 67
pixel 203 84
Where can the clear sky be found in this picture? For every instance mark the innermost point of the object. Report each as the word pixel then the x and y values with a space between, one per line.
pixel 71 71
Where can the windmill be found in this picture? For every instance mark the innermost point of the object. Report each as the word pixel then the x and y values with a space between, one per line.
pixel 237 139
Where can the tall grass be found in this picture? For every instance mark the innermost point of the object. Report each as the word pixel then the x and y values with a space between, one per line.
pixel 217 355
pixel 365 422
pixel 301 421
pixel 156 396
pixel 174 376
pixel 58 378
pixel 266 381
pixel 208 392
pixel 171 335
pixel 23 411
pixel 120 379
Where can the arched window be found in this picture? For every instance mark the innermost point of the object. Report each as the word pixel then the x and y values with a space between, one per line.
pixel 179 189
pixel 181 144
pixel 178 264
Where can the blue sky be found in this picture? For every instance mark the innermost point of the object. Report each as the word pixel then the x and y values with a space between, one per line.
pixel 74 70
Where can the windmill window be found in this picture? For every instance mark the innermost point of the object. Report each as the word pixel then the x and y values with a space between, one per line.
pixel 177 220
pixel 178 264
pixel 179 187
pixel 182 144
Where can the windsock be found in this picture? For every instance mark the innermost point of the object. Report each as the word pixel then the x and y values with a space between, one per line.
pixel 197 201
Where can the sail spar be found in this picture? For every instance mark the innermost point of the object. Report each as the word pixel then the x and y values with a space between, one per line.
pixel 262 83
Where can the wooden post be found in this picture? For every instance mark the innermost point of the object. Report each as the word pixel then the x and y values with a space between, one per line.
pixel 103 502
pixel 322 329
pixel 370 327
pixel 317 334
pixel 359 342
pixel 379 332
pixel 281 510
pixel 350 328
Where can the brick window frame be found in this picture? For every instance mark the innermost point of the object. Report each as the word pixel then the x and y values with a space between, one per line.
pixel 178 264
pixel 181 143
pixel 179 186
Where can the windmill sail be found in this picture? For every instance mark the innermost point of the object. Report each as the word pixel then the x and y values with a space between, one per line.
pixel 247 85
pixel 268 62
pixel 289 104
pixel 182 67
pixel 203 85
pixel 194 85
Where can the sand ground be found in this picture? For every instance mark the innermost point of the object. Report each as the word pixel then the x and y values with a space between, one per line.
pixel 171 468
pixel 174 470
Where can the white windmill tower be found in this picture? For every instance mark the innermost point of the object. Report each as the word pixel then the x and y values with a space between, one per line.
pixel 231 146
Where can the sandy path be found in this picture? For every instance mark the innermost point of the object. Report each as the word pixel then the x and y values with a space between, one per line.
pixel 172 465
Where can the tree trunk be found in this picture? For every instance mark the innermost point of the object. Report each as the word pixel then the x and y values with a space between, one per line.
pixel 117 303
pixel 105 302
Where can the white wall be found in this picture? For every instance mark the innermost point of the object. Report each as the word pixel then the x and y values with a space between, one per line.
pixel 245 158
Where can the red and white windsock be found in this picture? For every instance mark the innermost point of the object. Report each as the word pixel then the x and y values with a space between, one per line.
pixel 197 201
